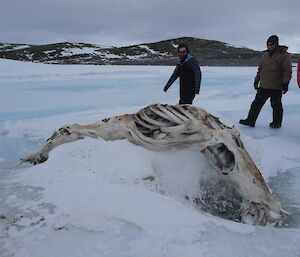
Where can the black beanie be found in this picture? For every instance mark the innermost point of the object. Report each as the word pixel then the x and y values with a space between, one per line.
pixel 273 40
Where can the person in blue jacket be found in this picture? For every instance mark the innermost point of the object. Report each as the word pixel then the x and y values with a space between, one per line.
pixel 188 70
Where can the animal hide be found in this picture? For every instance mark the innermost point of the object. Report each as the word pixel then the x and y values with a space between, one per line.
pixel 163 128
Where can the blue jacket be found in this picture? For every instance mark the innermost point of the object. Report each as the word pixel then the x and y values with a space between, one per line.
pixel 190 75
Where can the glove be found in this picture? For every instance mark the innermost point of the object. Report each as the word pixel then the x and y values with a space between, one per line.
pixel 165 88
pixel 255 84
pixel 285 87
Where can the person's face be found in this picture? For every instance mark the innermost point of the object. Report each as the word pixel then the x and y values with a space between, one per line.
pixel 182 52
pixel 271 46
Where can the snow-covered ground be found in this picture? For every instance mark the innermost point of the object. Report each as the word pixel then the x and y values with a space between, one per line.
pixel 97 198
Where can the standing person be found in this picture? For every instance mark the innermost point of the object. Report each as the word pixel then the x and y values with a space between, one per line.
pixel 298 73
pixel 274 74
pixel 188 70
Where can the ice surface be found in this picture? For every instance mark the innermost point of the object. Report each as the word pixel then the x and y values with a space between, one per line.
pixel 97 198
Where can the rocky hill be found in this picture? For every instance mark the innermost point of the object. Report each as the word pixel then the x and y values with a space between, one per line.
pixel 208 52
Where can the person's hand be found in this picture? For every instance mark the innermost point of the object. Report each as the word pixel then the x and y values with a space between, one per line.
pixel 165 88
pixel 285 87
pixel 255 84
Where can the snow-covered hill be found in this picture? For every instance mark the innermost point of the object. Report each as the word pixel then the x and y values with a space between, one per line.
pixel 208 52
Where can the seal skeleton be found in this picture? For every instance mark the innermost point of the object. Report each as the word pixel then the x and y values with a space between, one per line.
pixel 161 127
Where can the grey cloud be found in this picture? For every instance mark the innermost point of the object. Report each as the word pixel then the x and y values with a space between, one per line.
pixel 121 22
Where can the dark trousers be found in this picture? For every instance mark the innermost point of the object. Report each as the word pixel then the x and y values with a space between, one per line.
pixel 187 99
pixel 261 97
pixel 186 90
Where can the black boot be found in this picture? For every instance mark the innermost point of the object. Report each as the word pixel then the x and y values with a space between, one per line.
pixel 275 125
pixel 247 123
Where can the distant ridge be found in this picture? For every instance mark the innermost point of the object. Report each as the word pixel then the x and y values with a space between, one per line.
pixel 208 53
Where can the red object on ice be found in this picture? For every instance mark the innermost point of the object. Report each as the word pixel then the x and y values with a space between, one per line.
pixel 298 73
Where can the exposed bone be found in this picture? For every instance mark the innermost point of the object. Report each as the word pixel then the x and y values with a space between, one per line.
pixel 186 113
pixel 158 111
pixel 179 115
pixel 161 122
pixel 165 127
pixel 145 124
pixel 173 117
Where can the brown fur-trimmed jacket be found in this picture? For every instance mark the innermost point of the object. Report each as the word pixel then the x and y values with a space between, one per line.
pixel 275 69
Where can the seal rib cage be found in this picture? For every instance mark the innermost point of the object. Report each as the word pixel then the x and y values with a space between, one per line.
pixel 138 119
pixel 172 116
pixel 147 132
pixel 180 111
pixel 185 112
pixel 159 113
pixel 138 138
pixel 183 118
pixel 161 123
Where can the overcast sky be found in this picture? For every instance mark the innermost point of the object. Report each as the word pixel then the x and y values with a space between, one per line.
pixel 125 22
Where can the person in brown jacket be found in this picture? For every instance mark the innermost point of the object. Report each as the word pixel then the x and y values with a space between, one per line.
pixel 272 79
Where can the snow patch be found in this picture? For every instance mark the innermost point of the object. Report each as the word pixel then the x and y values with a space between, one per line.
pixel 148 49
